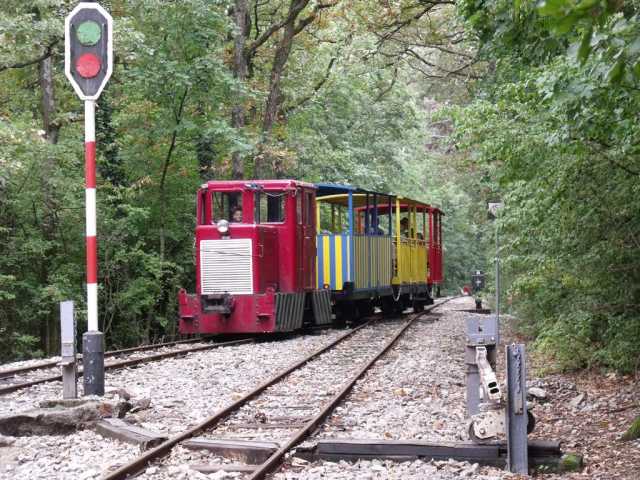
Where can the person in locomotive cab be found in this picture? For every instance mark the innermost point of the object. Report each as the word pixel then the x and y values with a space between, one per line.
pixel 236 216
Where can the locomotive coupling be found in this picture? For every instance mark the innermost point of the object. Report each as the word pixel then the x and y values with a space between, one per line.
pixel 223 303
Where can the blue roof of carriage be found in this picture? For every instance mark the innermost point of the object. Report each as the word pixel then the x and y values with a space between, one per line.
pixel 327 188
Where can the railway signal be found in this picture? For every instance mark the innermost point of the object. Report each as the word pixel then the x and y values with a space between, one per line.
pixel 88 49
pixel 88 66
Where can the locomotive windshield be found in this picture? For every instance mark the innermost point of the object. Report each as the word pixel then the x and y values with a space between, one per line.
pixel 270 207
pixel 226 206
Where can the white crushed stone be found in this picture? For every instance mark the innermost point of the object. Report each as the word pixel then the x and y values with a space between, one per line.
pixel 415 392
pixel 27 363
pixel 299 396
pixel 21 400
pixel 83 455
pixel 387 469
pixel 183 392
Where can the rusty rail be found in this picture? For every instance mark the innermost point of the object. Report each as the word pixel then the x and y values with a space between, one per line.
pixel 138 464
pixel 112 353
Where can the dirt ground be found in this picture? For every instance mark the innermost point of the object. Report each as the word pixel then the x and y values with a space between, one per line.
pixel 588 411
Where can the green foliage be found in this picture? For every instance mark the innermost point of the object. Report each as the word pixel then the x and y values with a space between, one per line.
pixel 570 462
pixel 163 125
pixel 168 87
pixel 557 130
pixel 633 432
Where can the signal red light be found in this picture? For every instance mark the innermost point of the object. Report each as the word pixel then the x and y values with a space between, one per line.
pixel 88 65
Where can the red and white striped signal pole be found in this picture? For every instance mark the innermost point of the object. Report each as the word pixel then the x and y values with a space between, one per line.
pixel 90 197
pixel 88 66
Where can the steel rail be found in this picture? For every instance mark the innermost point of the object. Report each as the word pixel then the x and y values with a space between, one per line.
pixel 126 363
pixel 274 460
pixel 112 353
pixel 138 464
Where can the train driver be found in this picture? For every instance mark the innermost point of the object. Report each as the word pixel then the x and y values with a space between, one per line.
pixel 236 216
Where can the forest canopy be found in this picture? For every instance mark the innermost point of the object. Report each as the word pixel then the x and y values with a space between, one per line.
pixel 454 103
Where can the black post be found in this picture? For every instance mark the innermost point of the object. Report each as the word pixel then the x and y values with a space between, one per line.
pixel 516 421
pixel 93 363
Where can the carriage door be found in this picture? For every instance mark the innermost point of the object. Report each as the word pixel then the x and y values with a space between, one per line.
pixel 307 238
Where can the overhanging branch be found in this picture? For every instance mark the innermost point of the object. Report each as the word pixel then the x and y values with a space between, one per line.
pixel 47 53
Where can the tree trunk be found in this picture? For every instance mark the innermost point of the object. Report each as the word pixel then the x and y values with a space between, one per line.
pixel 206 156
pixel 275 97
pixel 50 127
pixel 274 100
pixel 48 219
pixel 241 17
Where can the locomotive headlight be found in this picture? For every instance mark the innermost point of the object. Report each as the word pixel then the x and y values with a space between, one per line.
pixel 223 226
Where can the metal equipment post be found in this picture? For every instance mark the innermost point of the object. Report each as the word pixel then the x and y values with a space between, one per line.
pixel 68 350
pixel 516 414
pixel 497 273
pixel 494 209
pixel 92 340
pixel 481 332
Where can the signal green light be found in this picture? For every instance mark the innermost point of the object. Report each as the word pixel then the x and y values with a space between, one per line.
pixel 89 33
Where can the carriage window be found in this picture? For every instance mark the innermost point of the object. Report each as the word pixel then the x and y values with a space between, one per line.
pixel 299 206
pixel 333 218
pixel 270 207
pixel 227 206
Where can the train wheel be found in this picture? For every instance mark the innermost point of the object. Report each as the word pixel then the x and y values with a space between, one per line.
pixel 402 303
pixel 386 305
pixel 418 306
pixel 345 313
pixel 364 308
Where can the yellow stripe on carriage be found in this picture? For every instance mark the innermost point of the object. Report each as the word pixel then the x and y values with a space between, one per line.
pixel 338 264
pixel 348 248
pixel 326 267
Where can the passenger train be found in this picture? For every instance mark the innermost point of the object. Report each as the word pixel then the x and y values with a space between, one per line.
pixel 279 255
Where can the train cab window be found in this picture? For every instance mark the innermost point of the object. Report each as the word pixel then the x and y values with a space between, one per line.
pixel 227 206
pixel 270 207
pixel 202 206
pixel 308 200
pixel 299 206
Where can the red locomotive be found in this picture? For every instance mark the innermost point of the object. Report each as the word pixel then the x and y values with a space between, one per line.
pixel 276 255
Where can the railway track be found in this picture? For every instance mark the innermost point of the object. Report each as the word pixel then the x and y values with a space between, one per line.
pixel 112 353
pixel 325 376
pixel 11 385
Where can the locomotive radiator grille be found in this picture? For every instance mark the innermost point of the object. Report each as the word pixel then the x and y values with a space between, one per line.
pixel 226 266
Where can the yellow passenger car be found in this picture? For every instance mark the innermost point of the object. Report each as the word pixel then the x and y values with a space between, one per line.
pixel 372 250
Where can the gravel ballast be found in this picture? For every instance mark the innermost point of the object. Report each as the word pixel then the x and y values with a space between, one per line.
pixel 182 392
pixel 415 392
